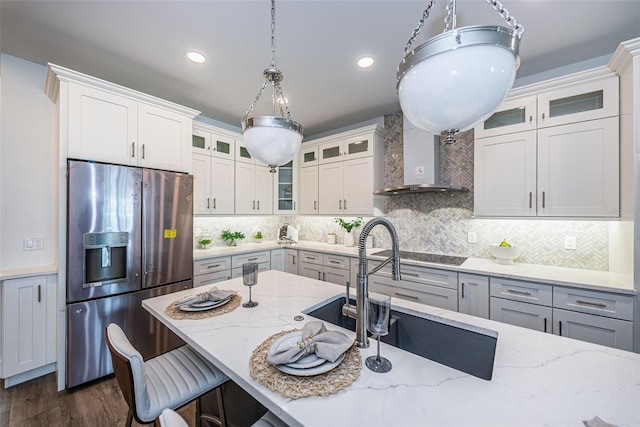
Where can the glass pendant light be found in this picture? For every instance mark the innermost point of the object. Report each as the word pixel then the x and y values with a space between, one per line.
pixel 457 79
pixel 271 139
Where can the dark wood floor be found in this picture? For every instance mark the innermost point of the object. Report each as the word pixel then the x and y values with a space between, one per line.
pixel 37 403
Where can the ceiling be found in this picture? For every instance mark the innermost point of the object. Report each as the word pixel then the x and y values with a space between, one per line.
pixel 142 45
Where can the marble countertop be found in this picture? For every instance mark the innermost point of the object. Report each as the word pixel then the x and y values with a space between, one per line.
pixel 538 379
pixel 572 277
pixel 16 273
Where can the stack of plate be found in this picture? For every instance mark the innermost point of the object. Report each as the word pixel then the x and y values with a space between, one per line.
pixel 308 365
pixel 205 305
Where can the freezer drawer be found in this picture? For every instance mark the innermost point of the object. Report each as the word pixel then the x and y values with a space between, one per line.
pixel 88 356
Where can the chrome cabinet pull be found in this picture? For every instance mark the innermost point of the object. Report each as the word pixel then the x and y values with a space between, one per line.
pixel 530 118
pixel 254 205
pixel 251 259
pixel 207 203
pixel 258 204
pixel 294 260
pixel 315 205
pixel 294 206
pixel 332 261
pixel 413 297
pixel 133 150
pixel 213 266
pixel 462 290
pixel 324 277
pixel 339 204
pixel 214 203
pixel 545 324
pixel 559 328
pixel 530 199
pixel 513 291
pixel 319 276
pixel 404 273
pixel 143 151
pixel 593 304
pixel 543 199
pixel 39 293
pixel 542 116
pixel 345 203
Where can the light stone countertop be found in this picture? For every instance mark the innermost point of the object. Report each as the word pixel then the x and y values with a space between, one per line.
pixel 16 273
pixel 553 275
pixel 538 379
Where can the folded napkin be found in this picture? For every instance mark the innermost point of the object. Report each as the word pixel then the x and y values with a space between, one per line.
pixel 597 422
pixel 213 294
pixel 328 345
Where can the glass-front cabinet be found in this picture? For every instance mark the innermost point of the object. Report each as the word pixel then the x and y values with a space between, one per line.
pixel 211 143
pixel 514 115
pixel 286 189
pixel 345 149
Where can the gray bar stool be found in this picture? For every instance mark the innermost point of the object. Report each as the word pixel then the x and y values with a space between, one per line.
pixel 170 418
pixel 169 380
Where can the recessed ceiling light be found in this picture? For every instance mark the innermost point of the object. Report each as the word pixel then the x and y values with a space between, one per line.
pixel 365 62
pixel 196 57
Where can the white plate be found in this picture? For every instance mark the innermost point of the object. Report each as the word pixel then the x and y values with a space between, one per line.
pixel 291 340
pixel 308 365
pixel 206 305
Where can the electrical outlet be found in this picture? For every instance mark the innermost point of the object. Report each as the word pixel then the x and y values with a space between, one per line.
pixel 570 242
pixel 472 237
pixel 419 170
pixel 33 243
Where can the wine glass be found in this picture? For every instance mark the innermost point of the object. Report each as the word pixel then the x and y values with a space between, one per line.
pixel 379 309
pixel 250 278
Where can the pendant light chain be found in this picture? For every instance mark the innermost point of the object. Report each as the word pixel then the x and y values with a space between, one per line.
pixel 450 20
pixel 273 33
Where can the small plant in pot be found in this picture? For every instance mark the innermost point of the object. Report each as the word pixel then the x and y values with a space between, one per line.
pixel 231 237
pixel 204 242
pixel 349 226
pixel 258 236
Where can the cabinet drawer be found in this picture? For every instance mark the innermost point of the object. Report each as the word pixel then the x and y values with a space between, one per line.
pixel 335 261
pixel 209 278
pixel 310 257
pixel 211 264
pixel 237 272
pixel 593 302
pixel 530 292
pixel 422 275
pixel 259 257
pixel 424 294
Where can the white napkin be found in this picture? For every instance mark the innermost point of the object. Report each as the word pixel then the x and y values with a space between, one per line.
pixel 597 422
pixel 328 345
pixel 213 294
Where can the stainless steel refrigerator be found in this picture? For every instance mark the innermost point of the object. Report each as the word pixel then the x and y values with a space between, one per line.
pixel 130 237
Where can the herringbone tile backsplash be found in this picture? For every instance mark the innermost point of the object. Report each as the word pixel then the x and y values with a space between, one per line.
pixel 439 222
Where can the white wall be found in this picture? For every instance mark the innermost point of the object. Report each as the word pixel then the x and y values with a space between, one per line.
pixel 28 165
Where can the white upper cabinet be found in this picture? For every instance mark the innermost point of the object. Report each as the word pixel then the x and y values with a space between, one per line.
pixel 105 122
pixel 350 166
pixel 566 166
pixel 212 141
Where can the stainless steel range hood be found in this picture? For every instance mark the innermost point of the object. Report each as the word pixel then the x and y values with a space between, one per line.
pixel 421 157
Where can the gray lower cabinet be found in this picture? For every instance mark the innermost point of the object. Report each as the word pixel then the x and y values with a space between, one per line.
pixel 211 270
pixel 473 295
pixel 424 294
pixel 598 317
pixel 325 267
pixel 291 260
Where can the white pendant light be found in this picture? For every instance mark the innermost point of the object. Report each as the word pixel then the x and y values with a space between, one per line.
pixel 271 139
pixel 457 79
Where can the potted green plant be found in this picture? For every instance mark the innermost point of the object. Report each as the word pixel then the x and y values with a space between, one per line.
pixel 349 226
pixel 231 236
pixel 204 242
pixel 258 236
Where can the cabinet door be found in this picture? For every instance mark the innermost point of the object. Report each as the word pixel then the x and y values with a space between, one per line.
pixel 222 186
pixel 102 126
pixel 245 188
pixel 335 275
pixel 515 115
pixel 200 141
pixel 313 271
pixel 242 154
pixel 505 175
pixel 222 146
pixel 358 187
pixel 517 313
pixel 473 295
pixel 580 102
pixel 264 190
pixel 211 278
pixel 330 184
pixel 291 261
pixel 330 152
pixel 24 320
pixel 164 139
pixel 578 169
pixel 358 147
pixel 595 329
pixel 308 156
pixel 309 190
pixel 201 169
pixel 286 189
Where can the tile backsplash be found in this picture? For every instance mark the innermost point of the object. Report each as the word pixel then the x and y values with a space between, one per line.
pixel 440 222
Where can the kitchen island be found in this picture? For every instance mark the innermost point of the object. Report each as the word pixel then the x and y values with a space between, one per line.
pixel 538 379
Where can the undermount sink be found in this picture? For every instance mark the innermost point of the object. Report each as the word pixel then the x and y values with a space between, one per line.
pixel 464 347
